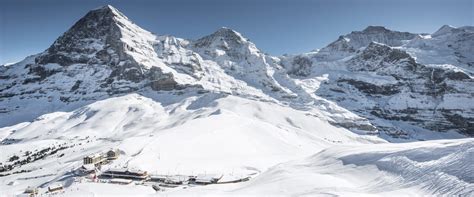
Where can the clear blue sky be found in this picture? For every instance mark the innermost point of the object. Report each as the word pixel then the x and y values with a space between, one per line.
pixel 276 27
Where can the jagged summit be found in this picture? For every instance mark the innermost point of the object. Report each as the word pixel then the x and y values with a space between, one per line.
pixel 104 16
pixel 90 34
pixel 105 7
pixel 103 36
pixel 225 31
pixel 106 38
pixel 445 29
pixel 223 34
pixel 375 29
pixel 357 39
pixel 109 10
pixel 226 42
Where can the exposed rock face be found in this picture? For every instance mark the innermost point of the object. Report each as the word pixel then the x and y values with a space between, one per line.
pixel 102 54
pixel 101 37
pixel 100 41
pixel 301 66
pixel 398 89
pixel 378 34
pixel 96 34
pixel 350 43
pixel 161 81
pixel 382 59
pixel 370 88
pixel 40 72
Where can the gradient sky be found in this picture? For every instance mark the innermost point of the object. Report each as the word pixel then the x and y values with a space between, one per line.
pixel 276 27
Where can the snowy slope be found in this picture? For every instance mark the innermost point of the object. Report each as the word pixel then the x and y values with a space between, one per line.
pixel 422 168
pixel 448 45
pixel 436 168
pixel 187 137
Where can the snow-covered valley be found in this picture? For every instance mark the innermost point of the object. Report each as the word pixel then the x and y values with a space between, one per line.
pixel 370 114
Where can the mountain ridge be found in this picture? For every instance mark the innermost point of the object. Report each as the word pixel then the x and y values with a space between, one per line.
pixel 126 58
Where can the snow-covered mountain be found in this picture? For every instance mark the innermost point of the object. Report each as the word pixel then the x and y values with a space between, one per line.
pixel 384 76
pixel 220 105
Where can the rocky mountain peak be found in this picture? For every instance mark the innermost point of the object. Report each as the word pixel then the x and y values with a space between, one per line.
pixel 106 38
pixel 223 37
pixel 341 44
pixel 225 31
pixel 445 29
pixel 228 35
pixel 378 34
pixel 97 23
pixel 226 42
pixel 375 29
pixel 91 34
pixel 350 43
pixel 108 10
pixel 103 36
pixel 105 8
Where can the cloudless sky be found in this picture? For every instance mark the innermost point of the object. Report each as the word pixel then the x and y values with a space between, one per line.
pixel 275 26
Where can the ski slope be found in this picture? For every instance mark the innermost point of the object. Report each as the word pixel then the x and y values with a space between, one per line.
pixel 211 133
pixel 286 151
